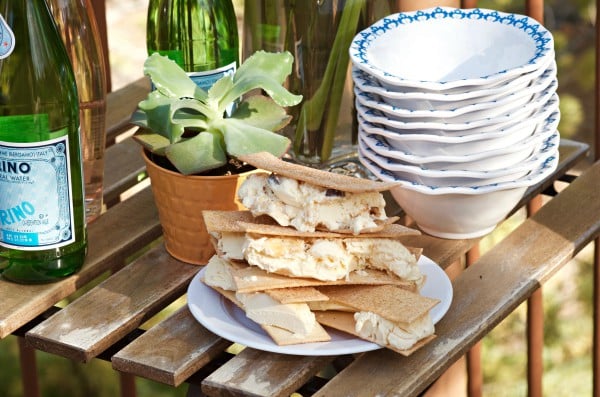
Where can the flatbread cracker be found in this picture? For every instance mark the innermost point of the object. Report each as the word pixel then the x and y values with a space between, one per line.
pixel 344 321
pixel 284 337
pixel 296 295
pixel 383 300
pixel 330 180
pixel 253 279
pixel 245 222
pixel 280 336
pixel 380 225
pixel 230 221
pixel 384 229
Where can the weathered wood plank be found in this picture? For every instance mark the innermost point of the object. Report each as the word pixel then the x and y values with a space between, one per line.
pixel 171 351
pixel 258 373
pixel 115 307
pixel 125 229
pixel 485 293
pixel 120 104
pixel 570 153
pixel 123 165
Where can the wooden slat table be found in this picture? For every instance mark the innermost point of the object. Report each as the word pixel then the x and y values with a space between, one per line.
pixel 485 293
pixel 104 321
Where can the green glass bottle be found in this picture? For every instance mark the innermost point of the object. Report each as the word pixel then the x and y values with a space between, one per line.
pixel 42 216
pixel 200 35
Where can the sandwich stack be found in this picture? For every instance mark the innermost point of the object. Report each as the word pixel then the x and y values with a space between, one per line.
pixel 316 249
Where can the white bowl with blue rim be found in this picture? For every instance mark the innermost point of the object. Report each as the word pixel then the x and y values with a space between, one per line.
pixel 420 100
pixel 487 160
pixel 431 144
pixel 459 177
pixel 446 48
pixel 457 129
pixel 539 90
pixel 530 98
pixel 458 212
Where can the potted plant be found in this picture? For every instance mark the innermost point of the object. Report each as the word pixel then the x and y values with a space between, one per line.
pixel 191 139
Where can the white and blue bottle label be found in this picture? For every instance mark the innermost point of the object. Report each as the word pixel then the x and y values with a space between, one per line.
pixel 36 210
pixel 206 79
pixel 7 39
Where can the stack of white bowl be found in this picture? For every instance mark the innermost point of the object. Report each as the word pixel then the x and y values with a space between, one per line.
pixel 459 106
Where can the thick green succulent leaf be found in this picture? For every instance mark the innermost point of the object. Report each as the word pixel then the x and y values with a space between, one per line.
pixel 278 65
pixel 266 71
pixel 218 91
pixel 241 138
pixel 170 117
pixel 189 113
pixel 151 141
pixel 192 106
pixel 153 100
pixel 201 153
pixel 262 112
pixel 154 113
pixel 189 121
pixel 170 79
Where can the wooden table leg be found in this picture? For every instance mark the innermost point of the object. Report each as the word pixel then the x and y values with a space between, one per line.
pixel 474 371
pixel 127 385
pixel 535 343
pixel 535 328
pixel 29 376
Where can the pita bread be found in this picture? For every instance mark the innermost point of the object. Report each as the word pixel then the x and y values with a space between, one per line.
pixel 330 180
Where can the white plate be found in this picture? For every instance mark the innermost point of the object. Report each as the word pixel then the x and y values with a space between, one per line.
pixel 225 319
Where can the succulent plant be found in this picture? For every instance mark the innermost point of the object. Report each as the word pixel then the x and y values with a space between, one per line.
pixel 191 127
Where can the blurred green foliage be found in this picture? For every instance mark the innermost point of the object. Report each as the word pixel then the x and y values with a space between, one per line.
pixel 568 296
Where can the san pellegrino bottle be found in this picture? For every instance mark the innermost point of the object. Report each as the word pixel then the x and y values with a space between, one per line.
pixel 200 35
pixel 42 221
pixel 79 31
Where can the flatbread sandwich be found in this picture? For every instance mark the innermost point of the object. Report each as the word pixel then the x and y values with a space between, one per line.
pixel 320 255
pixel 309 199
pixel 387 315
pixel 286 323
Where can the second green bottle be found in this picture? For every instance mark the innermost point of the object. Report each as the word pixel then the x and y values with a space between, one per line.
pixel 200 35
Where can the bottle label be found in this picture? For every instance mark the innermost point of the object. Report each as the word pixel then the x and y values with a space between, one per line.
pixel 7 39
pixel 206 79
pixel 36 210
